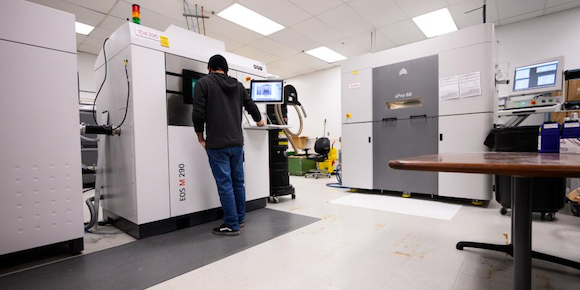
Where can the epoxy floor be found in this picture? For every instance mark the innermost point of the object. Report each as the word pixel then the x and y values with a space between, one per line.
pixel 356 248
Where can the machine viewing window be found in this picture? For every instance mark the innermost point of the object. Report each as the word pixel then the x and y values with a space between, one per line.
pixel 270 92
pixel 535 76
pixel 189 80
pixel 413 103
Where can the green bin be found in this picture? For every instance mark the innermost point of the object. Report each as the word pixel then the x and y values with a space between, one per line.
pixel 300 165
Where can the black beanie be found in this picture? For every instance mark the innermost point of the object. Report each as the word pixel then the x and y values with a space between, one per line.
pixel 218 61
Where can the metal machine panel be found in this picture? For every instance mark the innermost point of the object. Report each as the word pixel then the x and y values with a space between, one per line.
pixel 118 152
pixel 356 100
pixel 464 60
pixel 415 80
pixel 151 157
pixel 357 155
pixel 40 184
pixel 465 133
pixel 192 186
pixel 400 139
pixel 44 27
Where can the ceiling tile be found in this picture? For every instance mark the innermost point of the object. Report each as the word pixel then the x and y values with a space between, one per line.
pixel 94 42
pixel 317 6
pixel 289 65
pixel 306 71
pixel 274 47
pixel 364 40
pixel 552 3
pixel 100 33
pixel 418 7
pixel 378 12
pixel 80 38
pixel 282 73
pixel 473 18
pixel 508 9
pixel 294 39
pixel 348 48
pixel 562 7
pixel 172 9
pixel 103 6
pixel 521 17
pixel 256 54
pixel 316 29
pixel 345 21
pixel 451 2
pixel 149 18
pixel 82 14
pixel 231 45
pixel 210 5
pixel 112 23
pixel 306 60
pixel 403 32
pixel 280 11
pixel 231 30
pixel 89 49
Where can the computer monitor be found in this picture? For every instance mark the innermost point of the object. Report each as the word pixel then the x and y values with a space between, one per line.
pixel 267 91
pixel 537 77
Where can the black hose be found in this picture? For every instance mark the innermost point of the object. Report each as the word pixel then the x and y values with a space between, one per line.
pixel 101 87
pixel 94 213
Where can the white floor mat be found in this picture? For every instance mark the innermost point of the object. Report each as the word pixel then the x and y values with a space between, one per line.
pixel 423 208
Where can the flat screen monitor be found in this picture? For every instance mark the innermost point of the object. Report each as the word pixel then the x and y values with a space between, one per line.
pixel 537 77
pixel 267 92
pixel 189 79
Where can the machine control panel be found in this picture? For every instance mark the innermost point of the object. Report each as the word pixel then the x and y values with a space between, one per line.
pixel 541 101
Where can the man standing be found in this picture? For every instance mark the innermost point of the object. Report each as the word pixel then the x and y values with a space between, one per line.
pixel 217 103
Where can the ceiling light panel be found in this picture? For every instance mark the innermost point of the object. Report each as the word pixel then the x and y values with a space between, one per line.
pixel 436 23
pixel 83 29
pixel 326 54
pixel 249 19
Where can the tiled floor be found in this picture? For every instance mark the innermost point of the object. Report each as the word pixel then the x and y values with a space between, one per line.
pixel 355 248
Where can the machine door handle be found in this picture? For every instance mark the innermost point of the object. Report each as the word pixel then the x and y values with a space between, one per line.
pixel 369 139
pixel 440 137
pixel 389 119
pixel 418 116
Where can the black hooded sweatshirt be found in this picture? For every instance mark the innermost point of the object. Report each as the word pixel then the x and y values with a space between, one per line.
pixel 217 102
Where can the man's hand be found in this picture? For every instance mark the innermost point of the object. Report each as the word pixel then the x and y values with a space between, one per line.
pixel 200 139
pixel 261 123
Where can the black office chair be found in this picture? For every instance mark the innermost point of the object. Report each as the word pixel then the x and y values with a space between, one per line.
pixel 322 148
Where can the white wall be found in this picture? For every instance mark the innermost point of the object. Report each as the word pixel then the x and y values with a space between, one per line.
pixel 319 93
pixel 542 37
pixel 85 64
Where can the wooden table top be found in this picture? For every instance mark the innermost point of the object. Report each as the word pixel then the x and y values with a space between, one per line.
pixel 501 163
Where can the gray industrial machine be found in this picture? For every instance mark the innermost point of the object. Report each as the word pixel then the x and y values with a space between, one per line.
pixel 429 97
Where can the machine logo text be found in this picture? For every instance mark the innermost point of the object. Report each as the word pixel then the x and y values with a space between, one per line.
pixel 408 94
pixel 403 71
pixel 182 182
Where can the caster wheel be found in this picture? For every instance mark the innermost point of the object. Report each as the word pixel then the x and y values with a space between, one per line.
pixel 316 177
pixel 276 199
pixel 503 211
pixel 477 202
pixel 406 194
pixel 543 216
pixel 551 216
pixel 575 209
pixel 293 196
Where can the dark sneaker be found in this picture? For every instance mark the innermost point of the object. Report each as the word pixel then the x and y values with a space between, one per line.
pixel 224 230
pixel 242 225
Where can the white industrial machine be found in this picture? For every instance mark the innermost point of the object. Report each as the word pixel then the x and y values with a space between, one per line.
pixel 155 176
pixel 429 97
pixel 40 158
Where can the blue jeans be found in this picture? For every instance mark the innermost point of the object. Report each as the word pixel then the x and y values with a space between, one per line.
pixel 227 165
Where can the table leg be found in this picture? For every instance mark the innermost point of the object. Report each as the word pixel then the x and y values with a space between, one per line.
pixel 522 232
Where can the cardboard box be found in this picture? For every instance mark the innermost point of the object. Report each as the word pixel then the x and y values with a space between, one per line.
pixel 560 116
pixel 573 90
pixel 570 146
